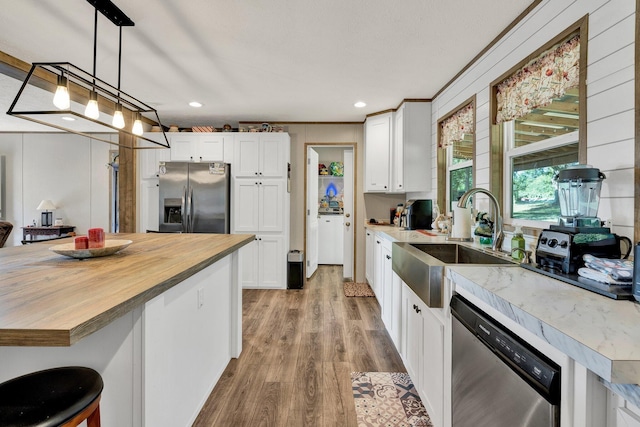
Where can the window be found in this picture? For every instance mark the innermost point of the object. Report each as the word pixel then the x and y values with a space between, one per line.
pixel 456 151
pixel 460 167
pixel 539 112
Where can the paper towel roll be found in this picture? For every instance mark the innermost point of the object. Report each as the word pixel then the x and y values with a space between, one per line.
pixel 461 227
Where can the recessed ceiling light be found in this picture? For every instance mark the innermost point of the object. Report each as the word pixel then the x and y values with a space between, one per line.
pixel 195 104
pixel 67 118
pixel 360 104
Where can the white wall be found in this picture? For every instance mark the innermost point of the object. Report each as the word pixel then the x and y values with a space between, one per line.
pixel 610 91
pixel 68 169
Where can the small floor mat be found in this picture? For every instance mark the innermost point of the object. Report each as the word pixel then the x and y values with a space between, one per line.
pixel 353 289
pixel 387 399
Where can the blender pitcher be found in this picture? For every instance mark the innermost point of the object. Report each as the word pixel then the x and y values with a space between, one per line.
pixel 579 195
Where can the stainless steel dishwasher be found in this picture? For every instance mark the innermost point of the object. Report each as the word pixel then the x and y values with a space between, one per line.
pixel 498 380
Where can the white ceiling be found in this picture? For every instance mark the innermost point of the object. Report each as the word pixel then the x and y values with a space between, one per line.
pixel 277 60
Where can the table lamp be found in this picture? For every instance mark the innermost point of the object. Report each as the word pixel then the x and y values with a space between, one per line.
pixel 47 216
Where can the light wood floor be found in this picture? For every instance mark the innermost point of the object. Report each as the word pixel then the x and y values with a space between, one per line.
pixel 299 349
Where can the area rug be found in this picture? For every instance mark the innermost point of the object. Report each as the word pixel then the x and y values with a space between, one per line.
pixel 387 399
pixel 353 289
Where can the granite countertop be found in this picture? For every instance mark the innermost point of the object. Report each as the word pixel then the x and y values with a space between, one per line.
pixel 48 299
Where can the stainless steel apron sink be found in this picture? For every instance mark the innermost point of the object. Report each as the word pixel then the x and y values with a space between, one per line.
pixel 421 265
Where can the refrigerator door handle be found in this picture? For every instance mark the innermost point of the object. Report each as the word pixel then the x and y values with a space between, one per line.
pixel 191 215
pixel 183 210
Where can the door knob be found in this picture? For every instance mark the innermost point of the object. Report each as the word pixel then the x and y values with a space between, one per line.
pixel 347 224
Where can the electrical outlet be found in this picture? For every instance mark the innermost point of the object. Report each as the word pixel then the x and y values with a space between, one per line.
pixel 200 297
pixel 608 223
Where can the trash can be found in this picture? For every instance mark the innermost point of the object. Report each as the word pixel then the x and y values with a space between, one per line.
pixel 295 270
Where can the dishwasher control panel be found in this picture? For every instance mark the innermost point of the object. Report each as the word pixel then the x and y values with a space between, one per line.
pixel 516 353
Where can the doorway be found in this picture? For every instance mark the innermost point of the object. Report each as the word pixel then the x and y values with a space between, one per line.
pixel 330 207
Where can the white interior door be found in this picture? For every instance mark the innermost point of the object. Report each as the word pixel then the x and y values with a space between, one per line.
pixel 348 215
pixel 312 211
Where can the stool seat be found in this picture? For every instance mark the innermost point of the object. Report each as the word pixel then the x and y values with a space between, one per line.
pixel 48 398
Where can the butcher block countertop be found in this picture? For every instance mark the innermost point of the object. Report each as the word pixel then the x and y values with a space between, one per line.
pixel 47 299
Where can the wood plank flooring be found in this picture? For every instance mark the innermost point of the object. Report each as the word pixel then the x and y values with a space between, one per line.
pixel 299 349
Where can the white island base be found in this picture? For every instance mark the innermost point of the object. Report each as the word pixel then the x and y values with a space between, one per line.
pixel 160 361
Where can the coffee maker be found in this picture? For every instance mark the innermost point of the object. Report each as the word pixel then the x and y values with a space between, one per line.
pixel 418 214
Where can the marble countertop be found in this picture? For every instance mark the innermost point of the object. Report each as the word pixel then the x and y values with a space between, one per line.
pixel 600 333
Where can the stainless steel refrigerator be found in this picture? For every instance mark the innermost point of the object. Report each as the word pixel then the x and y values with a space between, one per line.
pixel 194 197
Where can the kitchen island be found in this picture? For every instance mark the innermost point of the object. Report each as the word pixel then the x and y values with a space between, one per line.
pixel 159 320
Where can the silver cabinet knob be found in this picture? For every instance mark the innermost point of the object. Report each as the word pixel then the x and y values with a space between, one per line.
pixel 347 224
pixel 347 215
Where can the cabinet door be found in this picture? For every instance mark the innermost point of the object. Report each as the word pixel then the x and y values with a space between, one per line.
pixel 182 147
pixel 210 147
pixel 397 169
pixel 369 256
pixel 376 152
pixel 246 155
pixel 249 271
pixel 245 205
pixel 414 335
pixel 377 269
pixel 272 156
pixel 396 310
pixel 149 205
pixel 387 291
pixel 271 261
pixel 271 202
pixel 432 382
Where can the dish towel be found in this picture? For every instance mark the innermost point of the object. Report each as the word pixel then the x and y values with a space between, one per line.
pixel 612 271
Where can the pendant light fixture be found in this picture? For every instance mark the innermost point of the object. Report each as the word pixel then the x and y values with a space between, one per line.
pixel 118 117
pixel 61 98
pixel 99 108
pixel 137 126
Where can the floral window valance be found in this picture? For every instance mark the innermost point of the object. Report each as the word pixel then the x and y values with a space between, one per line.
pixel 454 127
pixel 539 82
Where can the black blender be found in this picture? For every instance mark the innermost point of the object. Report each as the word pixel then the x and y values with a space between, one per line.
pixel 579 231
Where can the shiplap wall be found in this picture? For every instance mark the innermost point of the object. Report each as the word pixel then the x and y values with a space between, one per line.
pixel 610 93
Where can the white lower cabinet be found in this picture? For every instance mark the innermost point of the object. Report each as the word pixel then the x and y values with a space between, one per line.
pixel 369 256
pixel 264 254
pixel 386 282
pixel 150 209
pixel 377 268
pixel 423 352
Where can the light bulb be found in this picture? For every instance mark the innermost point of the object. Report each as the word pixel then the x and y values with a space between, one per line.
pixel 137 126
pixel 118 118
pixel 92 110
pixel 61 98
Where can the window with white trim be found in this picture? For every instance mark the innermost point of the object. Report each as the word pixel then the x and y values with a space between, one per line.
pixel 538 110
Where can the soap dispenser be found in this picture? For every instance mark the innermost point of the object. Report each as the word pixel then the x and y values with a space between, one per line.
pixel 517 242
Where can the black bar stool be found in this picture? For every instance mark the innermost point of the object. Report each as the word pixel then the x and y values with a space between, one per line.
pixel 52 398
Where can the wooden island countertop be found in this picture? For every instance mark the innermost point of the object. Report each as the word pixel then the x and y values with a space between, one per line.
pixel 47 299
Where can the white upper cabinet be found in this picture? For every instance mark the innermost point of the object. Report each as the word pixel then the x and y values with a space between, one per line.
pixel 411 154
pixel 149 159
pixel 197 146
pixel 260 154
pixel 398 150
pixel 377 153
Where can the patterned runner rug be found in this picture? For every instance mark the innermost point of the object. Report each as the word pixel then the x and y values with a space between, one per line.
pixel 387 399
pixel 352 289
